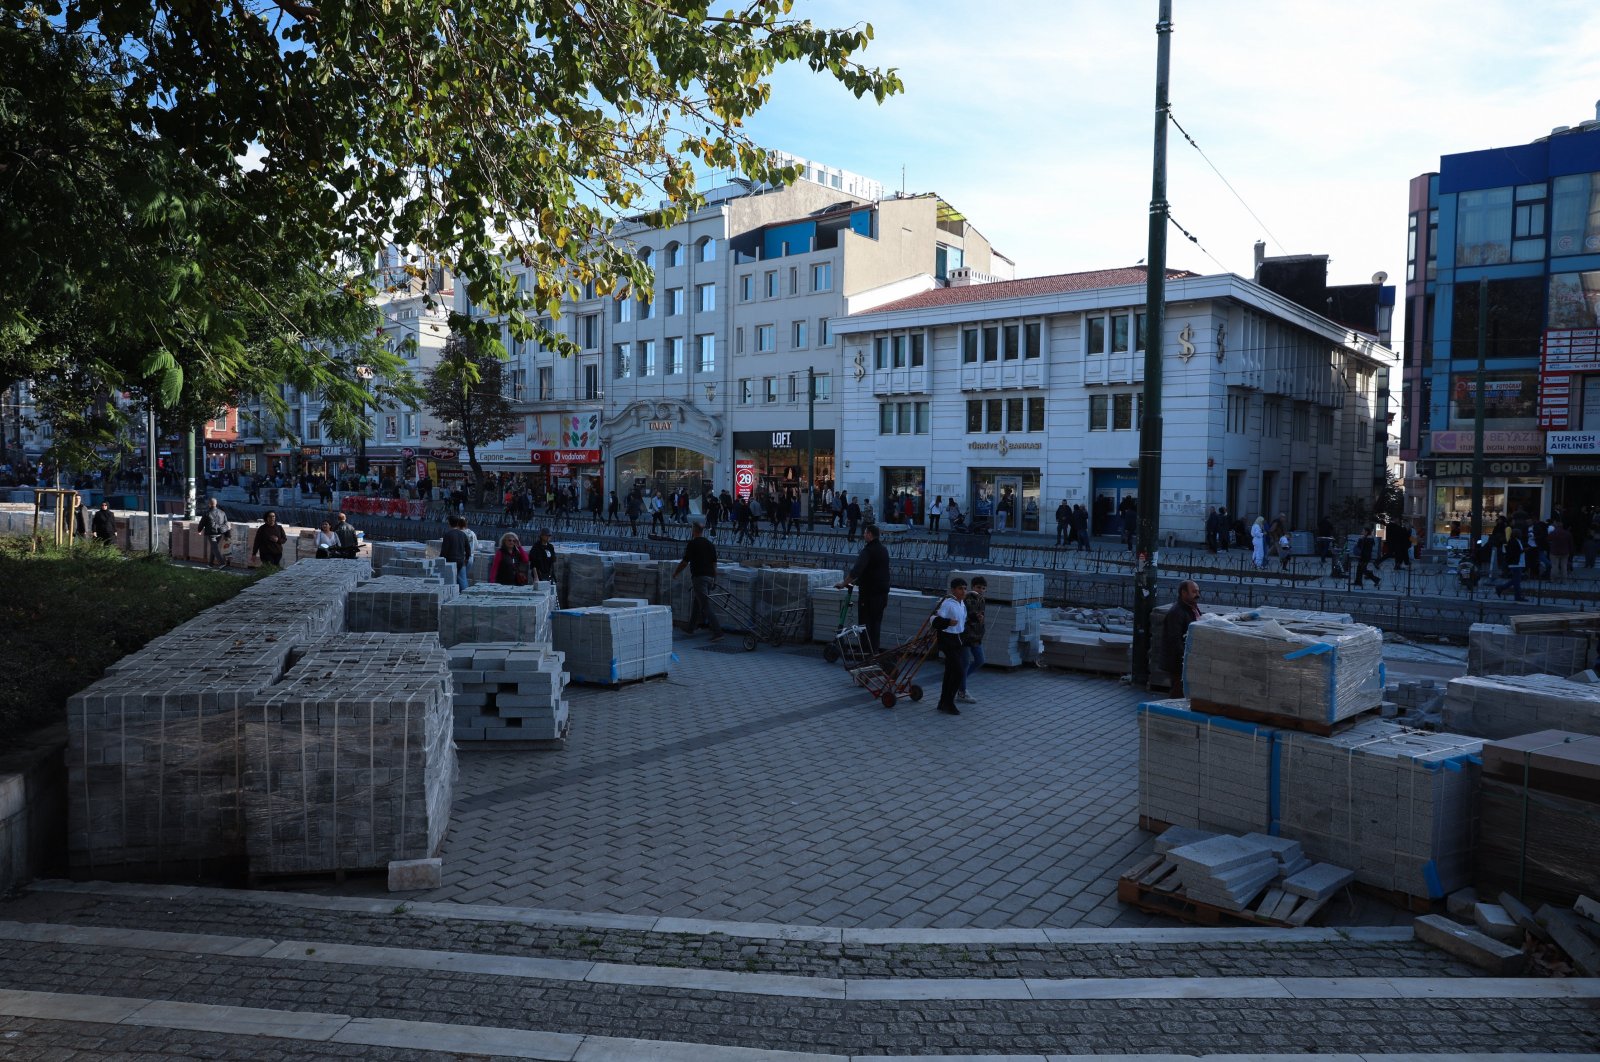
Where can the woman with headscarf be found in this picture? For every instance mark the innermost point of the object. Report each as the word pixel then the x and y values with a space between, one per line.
pixel 1258 542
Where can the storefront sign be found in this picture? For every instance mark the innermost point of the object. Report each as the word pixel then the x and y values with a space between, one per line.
pixel 565 457
pixel 1563 353
pixel 661 425
pixel 406 451
pixel 1572 467
pixel 1494 442
pixel 1572 442
pixel 442 454
pixel 1003 445
pixel 310 451
pixel 218 446
pixel 780 440
pixel 1452 468
pixel 820 440
pixel 744 479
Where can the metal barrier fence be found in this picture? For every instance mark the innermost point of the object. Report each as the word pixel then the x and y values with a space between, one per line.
pixel 1424 599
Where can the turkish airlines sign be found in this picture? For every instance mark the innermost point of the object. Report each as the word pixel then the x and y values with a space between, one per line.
pixel 565 457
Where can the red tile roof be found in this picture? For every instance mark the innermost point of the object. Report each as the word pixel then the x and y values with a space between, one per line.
pixel 1021 289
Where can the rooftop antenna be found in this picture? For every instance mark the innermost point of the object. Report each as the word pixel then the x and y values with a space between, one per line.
pixel 902 180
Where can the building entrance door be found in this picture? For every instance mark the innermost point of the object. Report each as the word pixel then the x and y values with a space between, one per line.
pixel 1007 502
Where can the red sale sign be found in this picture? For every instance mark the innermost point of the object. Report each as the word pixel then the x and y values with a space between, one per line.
pixel 744 479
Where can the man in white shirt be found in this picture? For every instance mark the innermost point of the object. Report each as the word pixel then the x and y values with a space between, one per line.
pixel 950 621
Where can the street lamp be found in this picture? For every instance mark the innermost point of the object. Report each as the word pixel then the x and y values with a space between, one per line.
pixel 365 374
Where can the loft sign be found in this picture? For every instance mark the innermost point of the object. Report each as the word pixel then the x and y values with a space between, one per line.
pixel 780 440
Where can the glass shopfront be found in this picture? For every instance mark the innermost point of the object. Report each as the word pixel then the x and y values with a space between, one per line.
pixel 782 459
pixel 665 469
pixel 1007 497
pixel 903 496
pixel 1452 504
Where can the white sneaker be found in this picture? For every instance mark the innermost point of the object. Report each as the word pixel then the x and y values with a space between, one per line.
pixel 965 697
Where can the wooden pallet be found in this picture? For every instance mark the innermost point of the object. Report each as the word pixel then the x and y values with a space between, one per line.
pixel 1152 886
pixel 1282 722
pixel 1553 622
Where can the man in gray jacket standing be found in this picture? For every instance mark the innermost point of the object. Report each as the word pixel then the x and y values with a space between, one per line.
pixel 214 525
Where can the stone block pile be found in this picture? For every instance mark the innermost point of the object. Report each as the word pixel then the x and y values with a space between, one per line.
pixel 349 760
pixel 1495 649
pixel 608 646
pixel 825 605
pixel 383 553
pixel 154 749
pixel 782 593
pixel 491 613
pixel 647 579
pixel 397 605
pixel 1539 816
pixel 429 569
pixel 1013 619
pixel 1314 672
pixel 508 692
pixel 1159 678
pixel 588 576
pixel 1204 771
pixel 1504 706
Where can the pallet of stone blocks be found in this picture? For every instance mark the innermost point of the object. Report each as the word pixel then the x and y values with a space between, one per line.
pixel 1254 879
pixel 1297 673
pixel 1503 706
pixel 500 614
pixel 349 761
pixel 1159 679
pixel 587 577
pixel 1005 587
pixel 1395 805
pixel 647 579
pixel 783 597
pixel 384 553
pixel 1203 771
pixel 610 646
pixel 430 569
pixel 826 603
pixel 1496 649
pixel 396 605
pixel 1539 816
pixel 508 695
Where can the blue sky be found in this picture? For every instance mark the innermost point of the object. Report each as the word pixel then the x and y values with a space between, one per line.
pixel 1036 118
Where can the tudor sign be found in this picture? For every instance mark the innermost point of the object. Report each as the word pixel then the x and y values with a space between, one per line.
pixel 565 457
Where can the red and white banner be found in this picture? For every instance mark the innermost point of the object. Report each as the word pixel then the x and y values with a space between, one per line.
pixel 744 479
pixel 565 457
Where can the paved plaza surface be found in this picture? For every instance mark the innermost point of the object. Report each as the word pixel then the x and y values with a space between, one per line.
pixel 753 861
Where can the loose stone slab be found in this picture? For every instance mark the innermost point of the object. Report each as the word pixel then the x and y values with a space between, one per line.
pixel 1319 881
pixel 1469 945
pixel 414 875
pixel 1497 923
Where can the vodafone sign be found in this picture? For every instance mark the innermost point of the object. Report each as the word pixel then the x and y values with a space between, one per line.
pixel 744 479
pixel 565 457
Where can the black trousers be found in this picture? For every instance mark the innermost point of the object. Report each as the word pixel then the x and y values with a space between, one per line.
pixel 872 609
pixel 955 660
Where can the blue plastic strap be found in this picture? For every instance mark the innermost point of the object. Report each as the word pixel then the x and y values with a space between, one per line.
pixel 1430 874
pixel 1273 804
pixel 1311 650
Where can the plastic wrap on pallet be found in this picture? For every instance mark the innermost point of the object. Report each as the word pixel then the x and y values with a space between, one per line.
pixel 642 579
pixel 587 577
pixel 508 692
pixel 1158 651
pixel 397 605
pixel 1495 649
pixel 1503 706
pixel 1298 670
pixel 349 761
pixel 826 603
pixel 498 617
pixel 607 646
pixel 783 597
pixel 1395 805
pixel 1205 771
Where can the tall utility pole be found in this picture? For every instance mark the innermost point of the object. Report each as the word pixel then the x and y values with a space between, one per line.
pixel 190 462
pixel 1147 560
pixel 1477 417
pixel 150 465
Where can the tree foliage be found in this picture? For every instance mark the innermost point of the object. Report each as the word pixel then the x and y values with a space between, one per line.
pixel 465 391
pixel 475 131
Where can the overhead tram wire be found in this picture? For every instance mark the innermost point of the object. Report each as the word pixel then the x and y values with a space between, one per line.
pixel 1226 182
pixel 1192 238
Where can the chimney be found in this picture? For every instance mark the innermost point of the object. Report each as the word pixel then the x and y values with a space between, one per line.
pixel 1261 256
pixel 1597 110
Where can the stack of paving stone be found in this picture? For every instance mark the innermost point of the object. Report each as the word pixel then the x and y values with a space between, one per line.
pixel 783 595
pixel 588 577
pixel 645 579
pixel 907 612
pixel 428 569
pixel 1203 771
pixel 1298 671
pixel 508 692
pixel 492 613
pixel 1227 872
pixel 1393 804
pixel 825 605
pixel 349 761
pixel 1012 631
pixel 385 552
pixel 397 605
pixel 153 748
pixel 1503 706
pixel 607 646
pixel 1159 679
pixel 1495 649
pixel 1539 816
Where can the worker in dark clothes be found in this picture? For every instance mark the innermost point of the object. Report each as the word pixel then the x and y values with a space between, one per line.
pixel 700 557
pixel 1175 630
pixel 871 574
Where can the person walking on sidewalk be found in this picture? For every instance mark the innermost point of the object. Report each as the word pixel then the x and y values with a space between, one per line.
pixel 349 541
pixel 214 525
pixel 700 557
pixel 1559 543
pixel 456 548
pixel 871 573
pixel 1365 547
pixel 270 540
pixel 950 621
pixel 104 526
pixel 1063 523
pixel 972 636
pixel 1512 564
pixel 544 556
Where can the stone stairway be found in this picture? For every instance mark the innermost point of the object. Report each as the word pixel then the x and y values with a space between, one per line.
pixel 98 971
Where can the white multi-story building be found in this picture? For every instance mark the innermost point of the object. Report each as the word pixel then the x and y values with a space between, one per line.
pixel 712 368
pixel 1015 396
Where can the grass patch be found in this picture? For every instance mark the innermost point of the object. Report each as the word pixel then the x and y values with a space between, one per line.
pixel 68 613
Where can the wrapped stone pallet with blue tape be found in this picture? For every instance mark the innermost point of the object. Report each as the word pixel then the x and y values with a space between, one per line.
pixel 1203 771
pixel 493 613
pixel 609 646
pixel 1302 671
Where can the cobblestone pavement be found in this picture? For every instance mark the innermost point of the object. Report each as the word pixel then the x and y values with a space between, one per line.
pixel 764 786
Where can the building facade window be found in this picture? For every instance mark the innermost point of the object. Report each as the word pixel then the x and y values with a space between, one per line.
pixel 798 336
pixel 674 302
pixel 591 383
pixel 1114 333
pixel 824 332
pixel 623 310
pixel 1483 227
pixel 623 361
pixel 674 366
pixel 904 418
pixel 647 357
pixel 1238 412
pixel 766 339
pixel 547 383
pixel 1015 414
pixel 746 392
pixel 589 331
pixel 771 388
pixel 673 253
pixel 771 285
pixel 705 297
pixel 822 276
pixel 708 353
pixel 391 427
pixel 706 249
pixel 823 384
pixel 747 287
